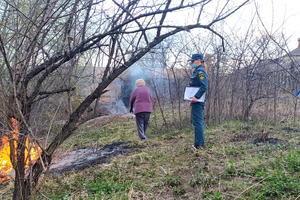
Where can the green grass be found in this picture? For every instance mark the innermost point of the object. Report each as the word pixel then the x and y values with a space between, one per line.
pixel 106 184
pixel 166 167
pixel 214 196
pixel 173 181
pixel 280 179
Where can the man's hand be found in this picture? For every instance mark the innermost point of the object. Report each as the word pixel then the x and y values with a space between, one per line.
pixel 194 99
pixel 131 110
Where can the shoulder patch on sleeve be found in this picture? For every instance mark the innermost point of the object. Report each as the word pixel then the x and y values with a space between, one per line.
pixel 201 76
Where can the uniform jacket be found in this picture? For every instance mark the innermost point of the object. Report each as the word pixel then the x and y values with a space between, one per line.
pixel 199 79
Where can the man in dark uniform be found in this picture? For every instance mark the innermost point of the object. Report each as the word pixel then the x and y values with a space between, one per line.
pixel 198 79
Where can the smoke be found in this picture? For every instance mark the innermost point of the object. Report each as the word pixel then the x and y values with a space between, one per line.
pixel 120 108
pixel 137 71
pixel 151 68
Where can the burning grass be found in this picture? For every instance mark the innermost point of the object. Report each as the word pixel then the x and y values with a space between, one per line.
pixel 32 152
pixel 165 167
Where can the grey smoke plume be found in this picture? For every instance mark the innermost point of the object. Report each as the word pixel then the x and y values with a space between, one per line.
pixel 151 69
pixel 120 107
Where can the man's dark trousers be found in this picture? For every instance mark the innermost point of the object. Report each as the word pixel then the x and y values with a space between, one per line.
pixel 198 123
pixel 142 120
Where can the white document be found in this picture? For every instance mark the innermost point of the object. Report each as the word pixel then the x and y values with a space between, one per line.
pixel 190 92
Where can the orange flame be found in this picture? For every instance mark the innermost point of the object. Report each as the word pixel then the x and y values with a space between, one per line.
pixel 6 166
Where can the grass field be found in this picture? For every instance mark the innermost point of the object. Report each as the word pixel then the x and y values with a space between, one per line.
pixel 165 167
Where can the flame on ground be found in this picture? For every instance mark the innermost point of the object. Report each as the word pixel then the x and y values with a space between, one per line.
pixel 6 166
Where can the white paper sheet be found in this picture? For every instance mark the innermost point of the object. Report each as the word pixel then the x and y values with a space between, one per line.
pixel 190 92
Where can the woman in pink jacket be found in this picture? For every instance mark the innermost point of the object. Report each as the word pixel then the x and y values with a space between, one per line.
pixel 141 103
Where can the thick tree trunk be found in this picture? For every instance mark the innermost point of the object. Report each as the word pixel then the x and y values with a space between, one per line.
pixel 21 192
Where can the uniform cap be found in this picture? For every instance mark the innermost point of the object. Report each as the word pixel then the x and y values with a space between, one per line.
pixel 197 56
